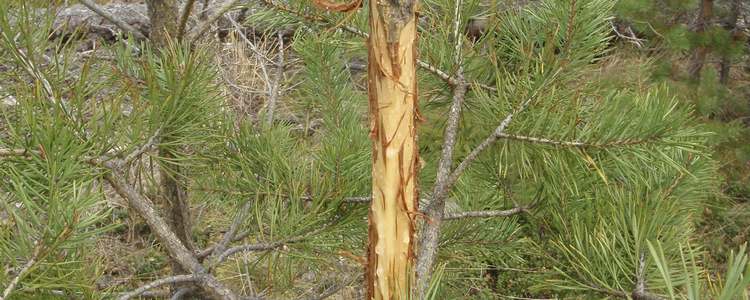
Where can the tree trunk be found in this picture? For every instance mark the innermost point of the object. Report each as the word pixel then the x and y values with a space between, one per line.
pixel 163 17
pixel 393 118
pixel 177 211
pixel 703 22
pixel 731 27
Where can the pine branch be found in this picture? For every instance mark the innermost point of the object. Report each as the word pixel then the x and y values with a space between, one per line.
pixel 160 282
pixel 422 64
pixel 114 20
pixel 32 70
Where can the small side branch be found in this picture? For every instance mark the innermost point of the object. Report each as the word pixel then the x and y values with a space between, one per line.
pixel 196 33
pixel 291 11
pixel 484 214
pixel 631 38
pixel 325 295
pixel 495 213
pixel 15 152
pixel 230 235
pixel 574 144
pixel 114 20
pixel 146 147
pixel 461 168
pixel 276 83
pixel 18 277
pixel 203 254
pixel 164 281
pixel 265 246
pixel 435 71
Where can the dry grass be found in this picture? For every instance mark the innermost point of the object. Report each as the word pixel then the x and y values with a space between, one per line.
pixel 242 77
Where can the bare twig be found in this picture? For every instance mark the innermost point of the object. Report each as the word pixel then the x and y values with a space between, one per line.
pixel 203 254
pixel 181 293
pixel 146 147
pixel 631 38
pixel 489 140
pixel 12 285
pixel 197 32
pixel 484 214
pixel 266 246
pixel 358 200
pixel 575 144
pixel 252 46
pixel 14 152
pixel 276 83
pixel 261 55
pixel 184 18
pixel 291 11
pixel 229 236
pixel 320 297
pixel 114 20
pixel 346 200
pixel 160 282
pixel 435 71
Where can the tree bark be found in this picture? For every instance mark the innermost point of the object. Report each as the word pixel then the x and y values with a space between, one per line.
pixel 703 21
pixel 393 117
pixel 163 17
pixel 731 27
pixel 177 211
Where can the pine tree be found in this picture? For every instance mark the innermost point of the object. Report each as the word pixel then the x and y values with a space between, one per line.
pixel 519 147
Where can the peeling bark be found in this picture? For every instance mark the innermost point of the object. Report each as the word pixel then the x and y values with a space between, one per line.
pixel 393 121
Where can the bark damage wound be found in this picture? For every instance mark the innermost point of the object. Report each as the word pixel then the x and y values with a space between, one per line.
pixel 393 120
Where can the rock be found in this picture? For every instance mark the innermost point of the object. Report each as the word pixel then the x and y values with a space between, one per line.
pixel 77 21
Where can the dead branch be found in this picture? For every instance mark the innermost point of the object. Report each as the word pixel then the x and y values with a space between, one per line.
pixel 160 282
pixel 197 32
